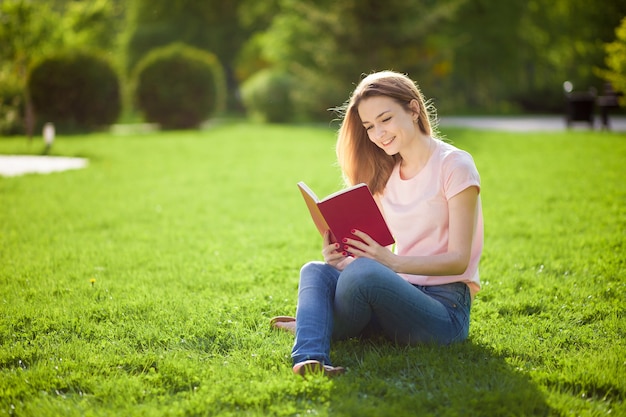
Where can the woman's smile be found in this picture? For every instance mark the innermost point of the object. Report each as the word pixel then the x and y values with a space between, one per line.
pixel 387 142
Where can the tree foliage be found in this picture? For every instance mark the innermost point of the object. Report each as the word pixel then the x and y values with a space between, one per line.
pixel 211 25
pixel 91 23
pixel 27 31
pixel 476 55
pixel 328 45
pixel 616 61
pixel 12 104
pixel 562 40
pixel 485 54
pixel 30 30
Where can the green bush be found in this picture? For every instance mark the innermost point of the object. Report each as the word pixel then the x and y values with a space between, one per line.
pixel 12 105
pixel 268 96
pixel 75 90
pixel 179 86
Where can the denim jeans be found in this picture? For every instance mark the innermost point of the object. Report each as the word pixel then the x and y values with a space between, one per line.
pixel 367 296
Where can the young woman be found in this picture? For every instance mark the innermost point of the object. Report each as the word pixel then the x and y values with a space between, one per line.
pixel 428 191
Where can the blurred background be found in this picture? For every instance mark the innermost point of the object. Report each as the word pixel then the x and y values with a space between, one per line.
pixel 178 63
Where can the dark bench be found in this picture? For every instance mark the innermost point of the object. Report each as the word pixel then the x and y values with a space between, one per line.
pixel 579 105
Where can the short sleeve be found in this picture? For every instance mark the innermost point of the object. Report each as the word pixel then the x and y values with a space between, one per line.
pixel 459 173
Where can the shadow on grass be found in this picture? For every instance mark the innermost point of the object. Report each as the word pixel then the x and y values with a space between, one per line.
pixel 466 379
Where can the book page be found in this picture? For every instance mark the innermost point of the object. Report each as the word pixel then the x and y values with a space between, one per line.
pixel 343 191
pixel 311 201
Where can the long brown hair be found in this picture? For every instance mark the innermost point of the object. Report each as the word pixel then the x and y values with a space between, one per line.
pixel 359 158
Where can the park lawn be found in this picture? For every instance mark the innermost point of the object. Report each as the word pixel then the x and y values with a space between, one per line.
pixel 143 284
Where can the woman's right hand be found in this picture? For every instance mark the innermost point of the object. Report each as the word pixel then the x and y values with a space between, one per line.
pixel 333 254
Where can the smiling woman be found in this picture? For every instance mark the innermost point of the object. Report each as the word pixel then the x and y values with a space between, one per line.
pixel 363 160
pixel 14 165
pixel 422 291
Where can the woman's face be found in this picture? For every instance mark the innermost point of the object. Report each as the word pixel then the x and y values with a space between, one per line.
pixel 388 124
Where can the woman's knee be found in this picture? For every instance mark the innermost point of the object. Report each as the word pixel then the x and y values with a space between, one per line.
pixel 318 272
pixel 314 268
pixel 364 270
pixel 362 275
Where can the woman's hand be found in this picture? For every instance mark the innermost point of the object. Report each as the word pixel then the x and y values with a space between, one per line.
pixel 368 248
pixel 333 253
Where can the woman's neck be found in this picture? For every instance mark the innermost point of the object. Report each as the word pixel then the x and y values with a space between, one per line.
pixel 415 158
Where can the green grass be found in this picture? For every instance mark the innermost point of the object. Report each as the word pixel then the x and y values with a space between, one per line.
pixel 195 240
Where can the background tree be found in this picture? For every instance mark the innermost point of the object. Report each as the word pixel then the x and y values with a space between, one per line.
pixel 469 55
pixel 210 25
pixel 561 40
pixel 32 29
pixel 485 55
pixel 328 45
pixel 26 33
pixel 616 62
pixel 92 23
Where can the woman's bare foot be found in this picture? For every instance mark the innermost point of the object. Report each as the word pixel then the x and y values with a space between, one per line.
pixel 285 323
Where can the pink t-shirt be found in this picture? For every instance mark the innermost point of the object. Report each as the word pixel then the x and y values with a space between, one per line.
pixel 416 211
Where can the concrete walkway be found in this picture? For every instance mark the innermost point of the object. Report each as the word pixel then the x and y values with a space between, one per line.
pixel 527 123
pixel 14 165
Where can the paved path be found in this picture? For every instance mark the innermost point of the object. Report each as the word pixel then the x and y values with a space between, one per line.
pixel 14 165
pixel 527 123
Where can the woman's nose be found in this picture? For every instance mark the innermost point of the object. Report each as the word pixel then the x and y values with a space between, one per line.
pixel 379 132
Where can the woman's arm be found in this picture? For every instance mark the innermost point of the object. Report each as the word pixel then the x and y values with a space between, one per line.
pixel 462 216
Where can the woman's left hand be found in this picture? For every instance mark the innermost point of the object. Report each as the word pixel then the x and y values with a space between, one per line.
pixel 368 248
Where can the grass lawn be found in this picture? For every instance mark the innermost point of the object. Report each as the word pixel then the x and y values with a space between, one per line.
pixel 143 284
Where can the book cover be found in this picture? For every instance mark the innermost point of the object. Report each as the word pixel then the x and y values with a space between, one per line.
pixel 345 210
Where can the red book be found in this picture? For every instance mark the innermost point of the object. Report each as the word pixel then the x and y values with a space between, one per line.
pixel 346 210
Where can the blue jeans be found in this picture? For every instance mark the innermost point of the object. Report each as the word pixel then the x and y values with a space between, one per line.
pixel 367 296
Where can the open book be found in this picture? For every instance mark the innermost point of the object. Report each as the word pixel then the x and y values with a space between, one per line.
pixel 346 210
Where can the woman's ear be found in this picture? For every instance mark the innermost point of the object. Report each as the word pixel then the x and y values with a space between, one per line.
pixel 414 106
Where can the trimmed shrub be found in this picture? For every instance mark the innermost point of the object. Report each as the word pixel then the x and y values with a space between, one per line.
pixel 179 86
pixel 268 96
pixel 76 90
